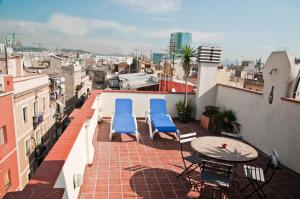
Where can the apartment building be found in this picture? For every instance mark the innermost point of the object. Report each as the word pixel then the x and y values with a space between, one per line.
pixel 9 178
pixel 57 108
pixel 77 85
pixel 32 122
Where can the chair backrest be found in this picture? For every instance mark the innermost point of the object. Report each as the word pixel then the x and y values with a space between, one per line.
pixel 158 106
pixel 274 163
pixel 274 159
pixel 231 135
pixel 183 138
pixel 123 106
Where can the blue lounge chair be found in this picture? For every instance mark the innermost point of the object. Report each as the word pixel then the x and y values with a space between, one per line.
pixel 160 119
pixel 123 121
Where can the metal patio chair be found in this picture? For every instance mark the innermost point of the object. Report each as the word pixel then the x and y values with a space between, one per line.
pixel 193 159
pixel 257 176
pixel 216 175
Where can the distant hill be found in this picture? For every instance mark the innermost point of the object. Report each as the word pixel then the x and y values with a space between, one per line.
pixel 67 50
pixel 29 49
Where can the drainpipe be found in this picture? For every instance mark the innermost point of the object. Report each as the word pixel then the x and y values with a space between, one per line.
pixel 6 62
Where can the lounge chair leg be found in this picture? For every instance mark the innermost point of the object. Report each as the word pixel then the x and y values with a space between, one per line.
pixel 177 135
pixel 150 129
pixel 110 136
pixel 137 135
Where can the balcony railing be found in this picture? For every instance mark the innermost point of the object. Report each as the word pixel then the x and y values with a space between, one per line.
pixel 55 95
pixel 60 116
pixel 37 119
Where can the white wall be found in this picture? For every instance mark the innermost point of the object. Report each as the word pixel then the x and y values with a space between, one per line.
pixel 206 87
pixel 264 125
pixel 141 102
pixel 82 153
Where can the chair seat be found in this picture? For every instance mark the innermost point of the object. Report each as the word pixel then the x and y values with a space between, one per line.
pixel 254 173
pixel 163 123
pixel 214 178
pixel 194 159
pixel 124 124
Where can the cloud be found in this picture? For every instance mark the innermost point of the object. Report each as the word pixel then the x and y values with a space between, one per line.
pixel 69 25
pixel 196 35
pixel 150 6
pixel 77 26
pixel 62 31
pixel 66 25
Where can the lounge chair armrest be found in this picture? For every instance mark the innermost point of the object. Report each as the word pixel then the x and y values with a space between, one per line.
pixel 135 122
pixel 112 122
pixel 170 117
pixel 147 113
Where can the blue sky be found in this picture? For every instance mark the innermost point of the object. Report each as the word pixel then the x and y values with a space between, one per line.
pixel 244 29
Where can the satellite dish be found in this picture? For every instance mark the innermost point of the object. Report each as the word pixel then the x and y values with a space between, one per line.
pixel 108 76
pixel 129 60
pixel 62 79
pixel 39 71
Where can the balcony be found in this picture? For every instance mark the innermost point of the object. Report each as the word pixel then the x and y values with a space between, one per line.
pixel 37 119
pixel 57 88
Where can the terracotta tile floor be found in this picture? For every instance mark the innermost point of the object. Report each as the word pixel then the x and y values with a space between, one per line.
pixel 124 168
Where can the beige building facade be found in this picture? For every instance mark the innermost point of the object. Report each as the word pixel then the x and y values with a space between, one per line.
pixel 32 115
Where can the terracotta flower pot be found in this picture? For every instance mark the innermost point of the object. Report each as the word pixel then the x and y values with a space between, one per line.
pixel 206 122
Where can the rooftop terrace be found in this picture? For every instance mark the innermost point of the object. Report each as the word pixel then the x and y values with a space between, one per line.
pixel 124 168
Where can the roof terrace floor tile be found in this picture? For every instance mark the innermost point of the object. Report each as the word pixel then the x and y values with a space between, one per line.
pixel 125 168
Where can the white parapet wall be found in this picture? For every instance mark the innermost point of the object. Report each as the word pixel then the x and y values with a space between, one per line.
pixel 264 127
pixel 81 154
pixel 141 102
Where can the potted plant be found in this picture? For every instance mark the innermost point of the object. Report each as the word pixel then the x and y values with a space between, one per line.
pixel 226 121
pixel 207 117
pixel 185 108
pixel 184 111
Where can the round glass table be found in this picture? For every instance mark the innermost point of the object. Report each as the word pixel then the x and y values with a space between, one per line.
pixel 224 149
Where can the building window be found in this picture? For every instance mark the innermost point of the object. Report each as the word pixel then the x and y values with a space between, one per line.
pixel 44 104
pixel 3 135
pixel 45 128
pixel 25 114
pixel 7 179
pixel 35 108
pixel 38 137
pixel 28 146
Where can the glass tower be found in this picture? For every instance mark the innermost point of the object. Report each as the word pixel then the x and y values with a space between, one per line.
pixel 179 40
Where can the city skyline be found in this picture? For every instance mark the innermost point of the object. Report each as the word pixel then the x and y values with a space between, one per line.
pixel 247 30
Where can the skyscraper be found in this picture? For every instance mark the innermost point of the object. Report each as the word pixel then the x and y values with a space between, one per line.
pixel 179 40
pixel 157 57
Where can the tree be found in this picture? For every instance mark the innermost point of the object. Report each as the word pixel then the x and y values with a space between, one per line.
pixel 187 54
